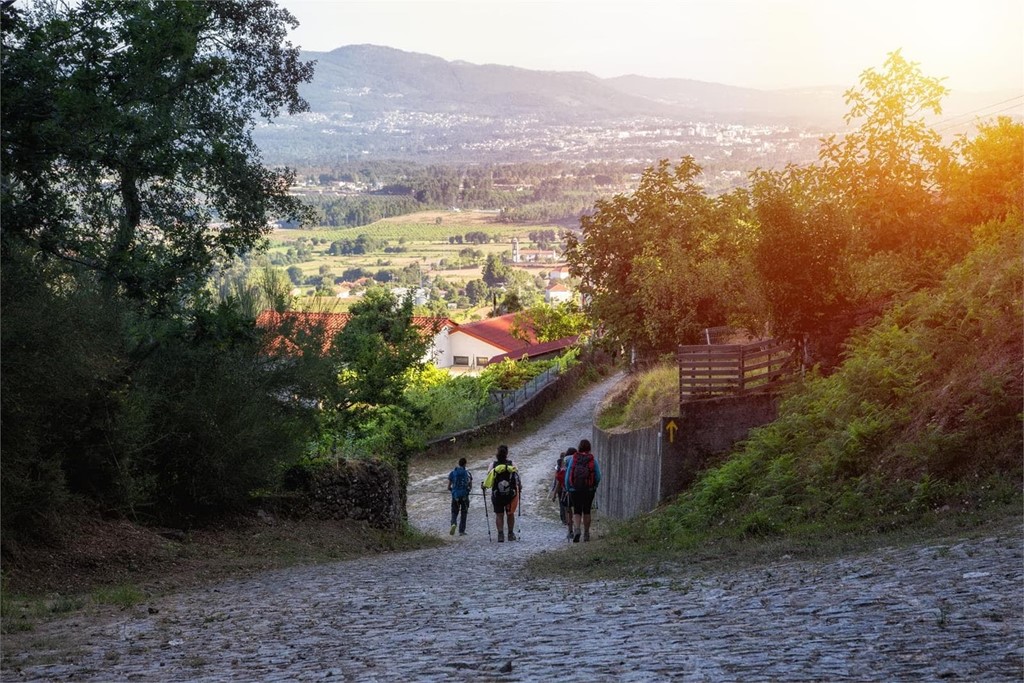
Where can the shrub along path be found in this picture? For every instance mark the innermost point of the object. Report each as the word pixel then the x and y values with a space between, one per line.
pixel 467 611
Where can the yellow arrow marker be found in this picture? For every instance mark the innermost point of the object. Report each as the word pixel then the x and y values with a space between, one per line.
pixel 671 428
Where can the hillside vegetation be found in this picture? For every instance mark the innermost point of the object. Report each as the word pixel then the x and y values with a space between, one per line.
pixel 906 251
pixel 923 417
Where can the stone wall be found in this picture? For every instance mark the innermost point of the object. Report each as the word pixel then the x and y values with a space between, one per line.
pixel 360 490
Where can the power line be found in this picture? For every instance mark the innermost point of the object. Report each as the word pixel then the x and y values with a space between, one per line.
pixel 965 123
pixel 953 121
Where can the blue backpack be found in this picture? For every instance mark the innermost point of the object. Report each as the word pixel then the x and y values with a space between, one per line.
pixel 460 482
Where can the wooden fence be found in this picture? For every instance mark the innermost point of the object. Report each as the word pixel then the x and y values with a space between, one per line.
pixel 730 369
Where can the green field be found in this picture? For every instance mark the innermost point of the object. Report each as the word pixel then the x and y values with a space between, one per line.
pixel 420 227
pixel 426 243
pixel 412 232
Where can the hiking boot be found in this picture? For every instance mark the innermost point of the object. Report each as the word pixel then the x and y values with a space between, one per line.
pixel 501 537
pixel 452 531
pixel 586 535
pixel 511 536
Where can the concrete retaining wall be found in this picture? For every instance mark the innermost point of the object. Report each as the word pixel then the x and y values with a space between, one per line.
pixel 708 428
pixel 630 472
pixel 643 467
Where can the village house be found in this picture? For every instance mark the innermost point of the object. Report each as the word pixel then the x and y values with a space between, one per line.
pixel 532 255
pixel 466 348
pixel 558 273
pixel 290 324
pixel 557 293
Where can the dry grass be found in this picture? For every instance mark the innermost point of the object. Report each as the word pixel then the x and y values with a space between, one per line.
pixel 95 555
pixel 456 217
pixel 640 400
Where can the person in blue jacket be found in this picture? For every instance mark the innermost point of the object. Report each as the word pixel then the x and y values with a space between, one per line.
pixel 460 481
pixel 582 476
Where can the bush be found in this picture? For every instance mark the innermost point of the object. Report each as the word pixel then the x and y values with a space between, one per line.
pixel 445 403
pixel 61 367
pixel 157 419
pixel 217 431
pixel 512 374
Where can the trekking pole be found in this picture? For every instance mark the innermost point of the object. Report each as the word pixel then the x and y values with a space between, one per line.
pixel 488 518
pixel 519 516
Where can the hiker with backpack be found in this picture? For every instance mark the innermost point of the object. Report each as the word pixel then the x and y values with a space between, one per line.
pixel 460 483
pixel 560 493
pixel 582 476
pixel 503 480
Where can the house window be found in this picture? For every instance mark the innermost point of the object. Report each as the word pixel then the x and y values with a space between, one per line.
pixel 481 360
pixel 460 360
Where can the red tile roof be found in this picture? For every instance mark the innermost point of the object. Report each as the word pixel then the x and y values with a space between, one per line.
pixel 309 322
pixel 293 323
pixel 535 350
pixel 496 331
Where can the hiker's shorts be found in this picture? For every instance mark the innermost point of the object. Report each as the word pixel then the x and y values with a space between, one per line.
pixel 581 502
pixel 502 505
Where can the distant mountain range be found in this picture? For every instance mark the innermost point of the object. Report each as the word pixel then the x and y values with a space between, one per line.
pixel 365 80
pixel 367 99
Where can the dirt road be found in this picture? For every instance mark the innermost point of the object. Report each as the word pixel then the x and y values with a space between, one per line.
pixel 466 612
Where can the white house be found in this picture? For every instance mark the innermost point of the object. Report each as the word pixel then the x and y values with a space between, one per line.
pixel 474 344
pixel 557 293
pixel 456 348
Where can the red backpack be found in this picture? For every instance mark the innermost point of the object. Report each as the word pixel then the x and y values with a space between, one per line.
pixel 582 477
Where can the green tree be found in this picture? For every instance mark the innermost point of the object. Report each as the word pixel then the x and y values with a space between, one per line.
pixel 659 265
pixel 496 272
pixel 550 322
pixel 477 291
pixel 801 256
pixel 126 131
pixel 128 175
pixel 985 181
pixel 510 303
pixel 887 170
pixel 374 350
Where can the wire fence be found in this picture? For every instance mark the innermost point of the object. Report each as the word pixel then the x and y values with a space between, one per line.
pixel 504 403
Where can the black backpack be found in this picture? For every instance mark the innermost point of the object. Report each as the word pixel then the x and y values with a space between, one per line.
pixel 506 483
pixel 582 477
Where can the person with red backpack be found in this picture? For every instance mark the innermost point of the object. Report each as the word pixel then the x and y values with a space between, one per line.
pixel 561 494
pixel 582 476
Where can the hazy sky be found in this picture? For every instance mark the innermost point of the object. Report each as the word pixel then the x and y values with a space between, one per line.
pixel 977 44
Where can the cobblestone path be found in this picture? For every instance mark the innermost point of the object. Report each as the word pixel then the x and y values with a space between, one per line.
pixel 465 612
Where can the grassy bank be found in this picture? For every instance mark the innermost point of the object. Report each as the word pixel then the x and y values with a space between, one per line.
pixel 629 552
